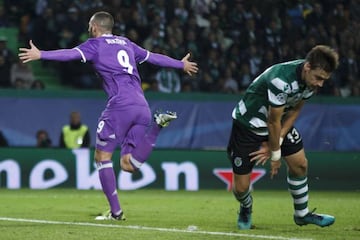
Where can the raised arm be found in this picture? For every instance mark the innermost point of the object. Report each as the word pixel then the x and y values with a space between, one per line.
pixel 33 53
pixel 165 61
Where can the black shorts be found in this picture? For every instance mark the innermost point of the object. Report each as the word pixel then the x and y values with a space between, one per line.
pixel 242 142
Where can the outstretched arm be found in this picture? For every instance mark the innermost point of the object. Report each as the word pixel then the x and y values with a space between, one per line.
pixel 33 53
pixel 165 61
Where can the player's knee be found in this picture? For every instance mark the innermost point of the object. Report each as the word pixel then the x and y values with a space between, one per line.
pixel 299 169
pixel 303 168
pixel 127 168
pixel 239 189
pixel 102 156
pixel 126 165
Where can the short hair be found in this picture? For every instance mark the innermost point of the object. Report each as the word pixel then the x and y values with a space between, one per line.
pixel 323 57
pixel 104 20
pixel 41 131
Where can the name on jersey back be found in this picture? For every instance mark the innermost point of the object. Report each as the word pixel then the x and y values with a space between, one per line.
pixel 115 41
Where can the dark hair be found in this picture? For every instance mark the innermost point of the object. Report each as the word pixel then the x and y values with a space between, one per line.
pixel 38 84
pixel 41 131
pixel 104 19
pixel 323 57
pixel 46 142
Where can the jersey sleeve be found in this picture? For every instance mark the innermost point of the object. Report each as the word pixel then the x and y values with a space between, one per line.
pixel 87 50
pixel 277 92
pixel 141 54
pixel 60 55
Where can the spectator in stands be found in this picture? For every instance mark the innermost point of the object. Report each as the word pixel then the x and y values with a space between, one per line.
pixel 7 58
pixel 354 8
pixel 290 32
pixel 38 84
pixel 238 16
pixel 157 22
pixel 250 34
pixel 203 23
pixel 181 12
pixel 268 59
pixel 19 84
pixel 142 9
pixel 245 77
pixel 255 59
pixel 353 72
pixel 175 31
pixel 42 139
pixel 192 44
pixel 168 80
pixel 273 34
pixel 315 17
pixel 285 52
pixel 339 17
pixel 85 5
pixel 21 73
pixel 3 141
pixel 158 10
pixel 44 30
pixel 71 29
pixel 295 12
pixel 217 34
pixel 4 21
pixel 75 134
pixel 153 40
pixel 213 66
pixel 230 84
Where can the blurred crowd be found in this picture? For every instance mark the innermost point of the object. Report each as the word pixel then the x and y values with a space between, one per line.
pixel 232 40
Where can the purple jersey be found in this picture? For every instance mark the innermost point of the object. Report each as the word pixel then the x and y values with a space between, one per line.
pixel 115 59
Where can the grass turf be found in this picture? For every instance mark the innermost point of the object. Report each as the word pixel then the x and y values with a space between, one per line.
pixel 157 214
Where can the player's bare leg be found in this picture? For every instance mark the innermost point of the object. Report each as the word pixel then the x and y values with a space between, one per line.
pixel 298 187
pixel 297 164
pixel 108 183
pixel 125 163
pixel 136 154
pixel 241 190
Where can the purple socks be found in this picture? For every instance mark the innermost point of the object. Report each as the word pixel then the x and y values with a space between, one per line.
pixel 108 183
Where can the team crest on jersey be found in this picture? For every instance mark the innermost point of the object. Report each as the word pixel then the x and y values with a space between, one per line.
pixel 281 97
pixel 238 161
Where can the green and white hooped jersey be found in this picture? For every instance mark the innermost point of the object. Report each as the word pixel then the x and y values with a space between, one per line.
pixel 279 85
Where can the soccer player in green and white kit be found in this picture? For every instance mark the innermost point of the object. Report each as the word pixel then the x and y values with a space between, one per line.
pixel 263 128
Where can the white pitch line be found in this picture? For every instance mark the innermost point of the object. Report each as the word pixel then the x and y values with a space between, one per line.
pixel 149 228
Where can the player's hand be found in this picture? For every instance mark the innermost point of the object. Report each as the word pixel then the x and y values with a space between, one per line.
pixel 261 155
pixel 275 165
pixel 29 54
pixel 189 67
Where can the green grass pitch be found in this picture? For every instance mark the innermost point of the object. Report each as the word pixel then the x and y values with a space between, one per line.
pixel 156 214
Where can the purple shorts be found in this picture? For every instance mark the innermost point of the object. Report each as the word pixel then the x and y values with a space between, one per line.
pixel 122 127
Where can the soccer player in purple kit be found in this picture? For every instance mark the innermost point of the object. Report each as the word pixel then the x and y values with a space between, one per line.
pixel 126 120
